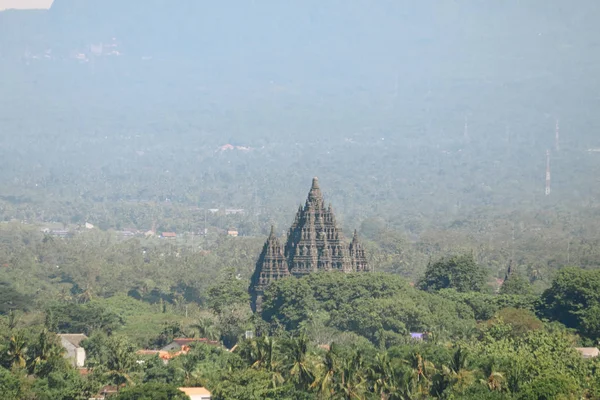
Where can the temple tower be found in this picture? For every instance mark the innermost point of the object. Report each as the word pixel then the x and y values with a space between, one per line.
pixel 314 242
pixel 357 255
pixel 271 265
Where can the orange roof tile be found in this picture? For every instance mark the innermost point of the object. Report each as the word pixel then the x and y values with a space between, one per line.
pixel 187 341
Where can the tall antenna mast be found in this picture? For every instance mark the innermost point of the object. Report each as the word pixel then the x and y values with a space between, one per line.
pixel 547 172
pixel 556 137
pixel 508 139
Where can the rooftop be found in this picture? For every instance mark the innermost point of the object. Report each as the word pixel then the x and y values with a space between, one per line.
pixel 184 341
pixel 195 390
pixel 73 338
pixel 588 352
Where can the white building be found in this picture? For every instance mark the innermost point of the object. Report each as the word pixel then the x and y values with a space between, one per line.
pixel 588 352
pixel 72 343
pixel 196 393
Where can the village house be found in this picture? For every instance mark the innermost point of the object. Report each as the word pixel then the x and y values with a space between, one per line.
pixel 179 346
pixel 232 233
pixel 588 352
pixel 183 344
pixel 72 344
pixel 168 235
pixel 234 211
pixel 165 356
pixel 196 393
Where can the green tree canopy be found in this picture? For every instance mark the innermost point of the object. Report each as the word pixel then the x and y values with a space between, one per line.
pixel 457 272
pixel 227 291
pixel 516 284
pixel 11 299
pixel 381 307
pixel 152 391
pixel 574 300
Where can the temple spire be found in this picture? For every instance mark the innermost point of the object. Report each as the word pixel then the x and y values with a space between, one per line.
pixel 315 184
pixel 315 195
pixel 271 266
pixel 357 254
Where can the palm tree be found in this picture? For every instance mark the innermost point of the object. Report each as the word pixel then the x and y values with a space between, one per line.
pixel 459 360
pixel 456 375
pixel 45 350
pixel 388 382
pixel 441 381
pixel 495 380
pixel 269 361
pixel 206 328
pixel 352 384
pixel 325 382
pixel 41 350
pixel 298 365
pixel 17 350
pixel 189 367
pixel 120 359
pixel 260 353
pixel 422 371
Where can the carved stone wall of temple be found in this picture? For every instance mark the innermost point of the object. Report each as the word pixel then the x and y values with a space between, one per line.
pixel 271 265
pixel 314 243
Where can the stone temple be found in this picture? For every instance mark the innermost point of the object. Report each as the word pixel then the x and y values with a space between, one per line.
pixel 314 243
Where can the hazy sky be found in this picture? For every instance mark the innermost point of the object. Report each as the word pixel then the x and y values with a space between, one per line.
pixel 23 4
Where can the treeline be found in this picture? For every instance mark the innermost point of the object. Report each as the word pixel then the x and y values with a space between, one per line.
pixel 325 336
pixel 100 263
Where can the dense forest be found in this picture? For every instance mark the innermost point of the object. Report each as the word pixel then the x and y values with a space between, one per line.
pixel 428 125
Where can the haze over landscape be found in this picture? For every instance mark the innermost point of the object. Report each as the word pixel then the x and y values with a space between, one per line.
pixel 437 129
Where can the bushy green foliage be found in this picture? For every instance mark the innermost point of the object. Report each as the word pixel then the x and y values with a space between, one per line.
pixel 574 300
pixel 151 391
pixel 11 386
pixel 11 299
pixel 517 285
pixel 485 305
pixel 82 318
pixel 380 307
pixel 457 272
pixel 227 291
pixel 519 321
pixel 531 362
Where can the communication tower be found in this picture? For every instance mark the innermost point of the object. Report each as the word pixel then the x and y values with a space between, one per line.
pixel 556 137
pixel 547 172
